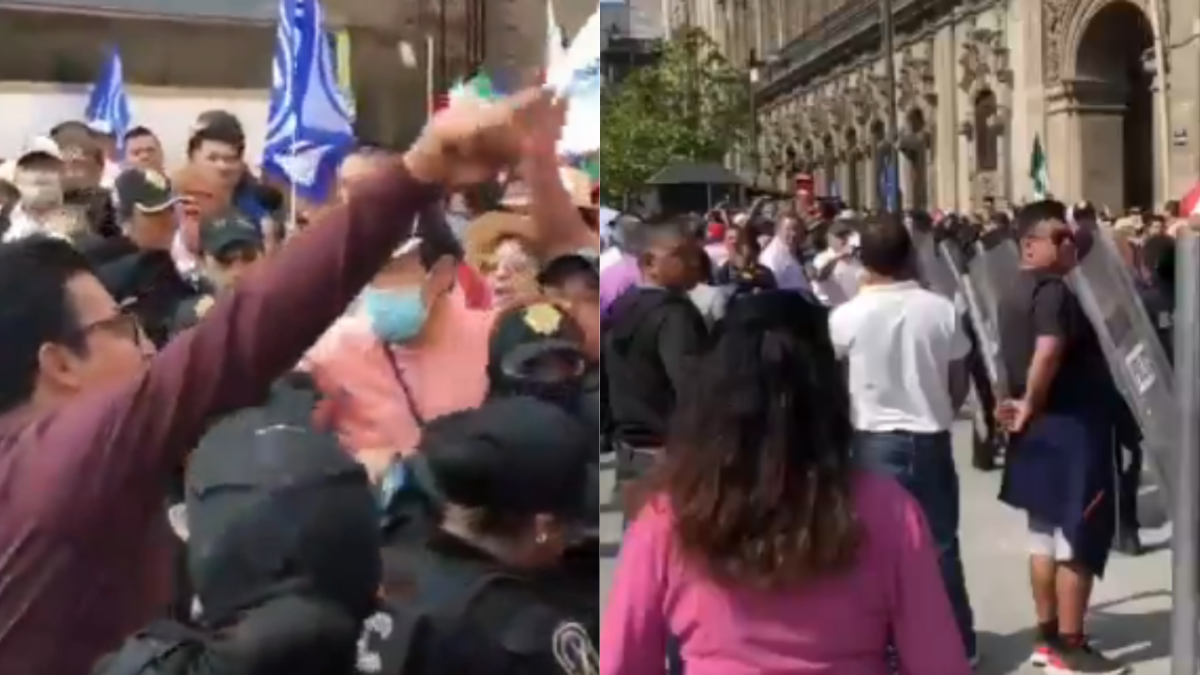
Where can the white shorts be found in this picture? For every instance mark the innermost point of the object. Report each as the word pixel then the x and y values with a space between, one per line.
pixel 1047 541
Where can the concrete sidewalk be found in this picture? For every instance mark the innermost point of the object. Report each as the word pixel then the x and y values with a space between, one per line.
pixel 1132 604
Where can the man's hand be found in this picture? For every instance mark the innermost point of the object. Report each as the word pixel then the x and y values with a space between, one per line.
pixel 473 141
pixel 1014 416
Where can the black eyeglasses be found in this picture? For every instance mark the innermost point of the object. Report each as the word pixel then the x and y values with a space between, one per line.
pixel 124 325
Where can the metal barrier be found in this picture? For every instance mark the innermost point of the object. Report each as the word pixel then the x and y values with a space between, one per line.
pixel 1186 467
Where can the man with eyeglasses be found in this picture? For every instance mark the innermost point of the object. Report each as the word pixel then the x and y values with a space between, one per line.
pixel 93 420
pixel 1059 470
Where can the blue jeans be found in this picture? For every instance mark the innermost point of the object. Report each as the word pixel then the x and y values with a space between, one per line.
pixel 924 465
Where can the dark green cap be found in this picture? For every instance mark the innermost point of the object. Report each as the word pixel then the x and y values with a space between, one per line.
pixel 227 230
pixel 523 334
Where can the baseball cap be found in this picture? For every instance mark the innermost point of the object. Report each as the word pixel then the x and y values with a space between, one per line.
pixel 38 147
pixel 517 455
pixel 522 334
pixel 227 230
pixel 143 190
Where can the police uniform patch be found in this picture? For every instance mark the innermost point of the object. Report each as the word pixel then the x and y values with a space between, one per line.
pixel 204 304
pixel 574 651
pixel 543 318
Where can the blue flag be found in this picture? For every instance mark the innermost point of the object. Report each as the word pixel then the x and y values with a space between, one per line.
pixel 311 126
pixel 889 181
pixel 108 106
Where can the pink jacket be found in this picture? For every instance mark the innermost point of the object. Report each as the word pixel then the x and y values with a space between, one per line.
pixel 836 626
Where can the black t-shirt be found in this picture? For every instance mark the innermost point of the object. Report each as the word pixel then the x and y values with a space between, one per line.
pixel 1040 304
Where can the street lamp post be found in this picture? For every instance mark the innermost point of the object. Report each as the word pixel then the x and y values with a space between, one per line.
pixel 887 28
pixel 755 72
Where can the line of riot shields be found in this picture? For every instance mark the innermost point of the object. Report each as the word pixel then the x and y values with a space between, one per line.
pixel 1164 396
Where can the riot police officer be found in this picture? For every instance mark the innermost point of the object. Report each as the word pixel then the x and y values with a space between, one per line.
pixel 514 488
pixel 282 544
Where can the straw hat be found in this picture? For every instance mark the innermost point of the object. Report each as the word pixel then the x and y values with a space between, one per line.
pixel 485 234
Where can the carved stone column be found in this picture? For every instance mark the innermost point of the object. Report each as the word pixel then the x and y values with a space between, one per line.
pixel 986 79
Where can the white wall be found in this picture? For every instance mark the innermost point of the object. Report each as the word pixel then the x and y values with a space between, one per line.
pixel 29 109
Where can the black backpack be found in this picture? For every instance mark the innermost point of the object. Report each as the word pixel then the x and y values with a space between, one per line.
pixel 162 648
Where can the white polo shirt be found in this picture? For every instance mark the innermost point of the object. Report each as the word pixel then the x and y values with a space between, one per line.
pixel 900 340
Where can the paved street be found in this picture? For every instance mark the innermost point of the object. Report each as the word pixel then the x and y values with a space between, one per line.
pixel 1133 602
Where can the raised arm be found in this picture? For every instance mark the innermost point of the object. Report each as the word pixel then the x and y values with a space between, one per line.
pixel 122 440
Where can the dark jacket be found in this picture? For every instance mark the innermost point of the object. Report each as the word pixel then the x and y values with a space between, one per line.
pixel 651 334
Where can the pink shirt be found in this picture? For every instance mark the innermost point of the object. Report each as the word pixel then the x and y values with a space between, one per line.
pixel 837 626
pixel 445 375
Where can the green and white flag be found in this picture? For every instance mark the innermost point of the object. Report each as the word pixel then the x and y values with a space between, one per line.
pixel 478 88
pixel 1038 173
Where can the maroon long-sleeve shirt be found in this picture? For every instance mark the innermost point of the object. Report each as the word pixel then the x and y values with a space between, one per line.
pixel 84 548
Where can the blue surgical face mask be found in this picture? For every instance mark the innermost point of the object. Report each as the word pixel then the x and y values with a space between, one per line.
pixel 396 316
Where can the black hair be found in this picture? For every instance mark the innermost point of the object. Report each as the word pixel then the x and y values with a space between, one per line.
pixel 885 246
pixel 35 309
pixel 653 235
pixel 758 469
pixel 217 133
pixel 559 271
pixel 1033 214
pixel 138 132
pixel 1084 211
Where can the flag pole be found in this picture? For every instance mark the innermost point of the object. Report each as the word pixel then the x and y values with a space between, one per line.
pixel 430 85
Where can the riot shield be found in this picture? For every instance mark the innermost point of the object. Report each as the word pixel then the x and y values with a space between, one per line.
pixel 933 272
pixel 1135 355
pixel 995 264
pixel 985 324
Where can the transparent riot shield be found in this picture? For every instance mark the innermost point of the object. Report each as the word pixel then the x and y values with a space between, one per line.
pixel 991 270
pixel 985 324
pixel 1136 357
pixel 933 272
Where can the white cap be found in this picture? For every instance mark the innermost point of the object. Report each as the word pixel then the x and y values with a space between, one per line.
pixel 40 145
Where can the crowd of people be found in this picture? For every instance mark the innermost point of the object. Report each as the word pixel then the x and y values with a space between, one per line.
pixel 244 436
pixel 781 388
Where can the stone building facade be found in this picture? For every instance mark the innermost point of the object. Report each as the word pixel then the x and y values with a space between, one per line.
pixel 977 82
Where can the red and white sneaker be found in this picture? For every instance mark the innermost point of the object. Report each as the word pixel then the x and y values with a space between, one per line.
pixel 1042 651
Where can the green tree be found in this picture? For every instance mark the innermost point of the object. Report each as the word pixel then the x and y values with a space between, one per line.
pixel 691 105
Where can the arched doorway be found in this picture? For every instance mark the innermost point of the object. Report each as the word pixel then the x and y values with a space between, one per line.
pixel 853 189
pixel 1116 102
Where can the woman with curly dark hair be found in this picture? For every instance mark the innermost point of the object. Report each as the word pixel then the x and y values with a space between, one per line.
pixel 758 546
